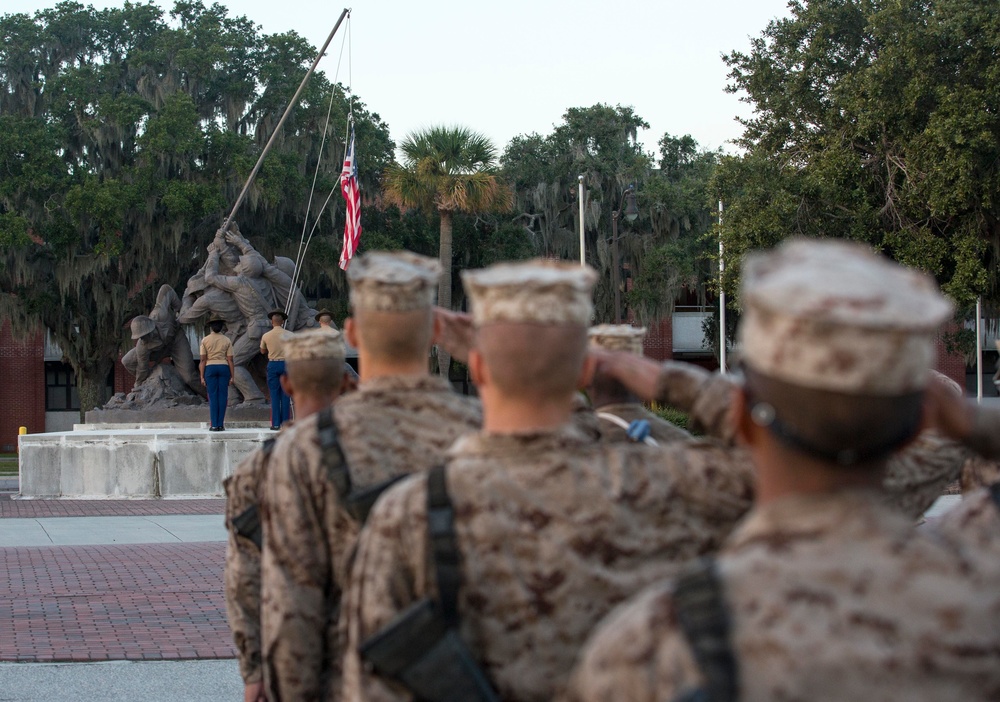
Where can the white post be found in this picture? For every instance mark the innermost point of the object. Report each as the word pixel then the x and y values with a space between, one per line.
pixel 979 350
pixel 722 300
pixel 583 249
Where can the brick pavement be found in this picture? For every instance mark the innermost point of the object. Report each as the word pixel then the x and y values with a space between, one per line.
pixel 97 603
pixel 108 508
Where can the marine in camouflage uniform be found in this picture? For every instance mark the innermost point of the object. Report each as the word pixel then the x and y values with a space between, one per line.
pixel 553 527
pixel 975 521
pixel 616 409
pixel 823 592
pixel 313 359
pixel 400 420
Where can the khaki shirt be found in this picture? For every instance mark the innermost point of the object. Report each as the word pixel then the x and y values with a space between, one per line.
pixel 273 344
pixel 215 348
pixel 389 427
pixel 612 416
pixel 554 529
pixel 242 570
pixel 831 597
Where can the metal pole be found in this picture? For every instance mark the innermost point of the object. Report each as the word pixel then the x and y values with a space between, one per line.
pixel 583 246
pixel 614 267
pixel 979 350
pixel 281 122
pixel 722 299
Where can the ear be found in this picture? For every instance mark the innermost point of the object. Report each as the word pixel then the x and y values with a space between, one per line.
pixel 587 372
pixel 477 369
pixel 347 384
pixel 436 328
pixel 351 332
pixel 286 385
pixel 740 408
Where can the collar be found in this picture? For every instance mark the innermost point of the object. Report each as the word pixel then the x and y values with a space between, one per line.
pixel 566 437
pixel 806 517
pixel 391 384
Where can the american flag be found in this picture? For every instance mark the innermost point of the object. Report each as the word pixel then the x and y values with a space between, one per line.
pixel 352 196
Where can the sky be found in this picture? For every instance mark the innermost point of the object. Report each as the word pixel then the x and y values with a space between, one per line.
pixel 514 67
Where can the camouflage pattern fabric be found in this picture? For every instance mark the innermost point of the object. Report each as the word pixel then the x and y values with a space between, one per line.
pixel 554 529
pixel 390 426
pixel 975 522
pixel 914 477
pixel 832 597
pixel 242 570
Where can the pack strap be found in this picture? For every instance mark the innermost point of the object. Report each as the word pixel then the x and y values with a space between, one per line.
pixel 704 619
pixel 444 545
pixel 334 460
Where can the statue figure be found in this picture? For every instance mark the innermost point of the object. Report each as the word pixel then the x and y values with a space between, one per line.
pixel 279 274
pixel 253 295
pixel 236 285
pixel 159 336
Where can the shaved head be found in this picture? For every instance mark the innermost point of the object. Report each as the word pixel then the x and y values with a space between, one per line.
pixel 533 361
pixel 315 377
pixel 394 337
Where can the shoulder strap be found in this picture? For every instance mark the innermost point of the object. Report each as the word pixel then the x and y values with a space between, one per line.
pixel 995 494
pixel 704 619
pixel 444 546
pixel 268 446
pixel 333 455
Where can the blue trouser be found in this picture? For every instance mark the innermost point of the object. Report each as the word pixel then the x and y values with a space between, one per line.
pixel 217 381
pixel 280 406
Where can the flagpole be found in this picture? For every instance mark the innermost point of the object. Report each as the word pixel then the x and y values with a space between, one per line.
pixel 281 122
pixel 722 299
pixel 979 350
pixel 583 250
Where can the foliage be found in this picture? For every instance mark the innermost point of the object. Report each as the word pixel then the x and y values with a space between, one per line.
pixel 672 415
pixel 879 121
pixel 125 137
pixel 663 249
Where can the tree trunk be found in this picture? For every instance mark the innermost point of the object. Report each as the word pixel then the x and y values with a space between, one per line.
pixel 91 383
pixel 444 285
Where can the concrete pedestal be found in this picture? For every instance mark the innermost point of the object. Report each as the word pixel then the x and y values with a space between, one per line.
pixel 140 460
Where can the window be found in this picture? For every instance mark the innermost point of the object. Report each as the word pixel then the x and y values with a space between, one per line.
pixel 60 388
pixel 61 394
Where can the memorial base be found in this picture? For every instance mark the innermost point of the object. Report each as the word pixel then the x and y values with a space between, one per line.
pixel 139 460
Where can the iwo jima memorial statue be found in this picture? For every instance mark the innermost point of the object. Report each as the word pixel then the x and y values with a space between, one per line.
pixel 154 441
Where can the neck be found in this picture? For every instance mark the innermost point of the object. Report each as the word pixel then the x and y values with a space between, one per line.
pixel 782 472
pixel 306 405
pixel 370 368
pixel 513 415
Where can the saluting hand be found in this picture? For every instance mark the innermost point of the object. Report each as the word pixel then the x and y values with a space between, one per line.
pixel 453 332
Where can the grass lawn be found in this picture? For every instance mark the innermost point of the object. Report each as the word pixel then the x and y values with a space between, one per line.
pixel 8 464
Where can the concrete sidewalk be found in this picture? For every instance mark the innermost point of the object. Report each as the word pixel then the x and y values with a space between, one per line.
pixel 90 531
pixel 121 681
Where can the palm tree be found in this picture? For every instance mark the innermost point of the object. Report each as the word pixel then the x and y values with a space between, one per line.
pixel 447 170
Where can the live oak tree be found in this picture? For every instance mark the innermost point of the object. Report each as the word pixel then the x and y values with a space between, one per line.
pixel 125 136
pixel 662 248
pixel 875 120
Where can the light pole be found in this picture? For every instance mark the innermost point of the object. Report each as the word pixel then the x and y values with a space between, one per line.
pixel 631 212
